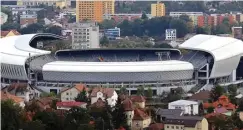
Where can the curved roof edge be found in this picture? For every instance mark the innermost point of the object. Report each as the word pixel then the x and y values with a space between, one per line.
pixel 226 52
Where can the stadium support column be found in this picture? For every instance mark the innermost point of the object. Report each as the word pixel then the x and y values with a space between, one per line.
pixel 207 80
pixel 233 76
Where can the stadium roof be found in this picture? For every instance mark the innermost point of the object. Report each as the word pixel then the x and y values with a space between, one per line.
pixel 151 66
pixel 225 50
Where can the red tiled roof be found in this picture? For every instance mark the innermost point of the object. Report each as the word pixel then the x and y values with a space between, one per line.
pixel 69 104
pixel 108 92
pixel 156 126
pixel 5 33
pixel 99 104
pixel 223 101
pixel 79 87
pixel 127 105
pixel 140 115
pixel 138 98
pixel 202 95
pixel 6 96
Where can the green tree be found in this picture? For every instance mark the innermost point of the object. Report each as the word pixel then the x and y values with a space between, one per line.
pixel 104 41
pixel 144 16
pixel 123 90
pixel 180 26
pixel 216 92
pixel 140 90
pixel 119 117
pixel 34 125
pixel 54 30
pixel 77 118
pixel 9 13
pixel 210 110
pixel 126 28
pixel 32 28
pixel 240 108
pixel 11 116
pixel 10 26
pixel 201 110
pixel 82 97
pixel 149 92
pixel 232 90
pixel 108 117
pixel 185 18
pixel 202 30
pixel 107 24
pixel 32 106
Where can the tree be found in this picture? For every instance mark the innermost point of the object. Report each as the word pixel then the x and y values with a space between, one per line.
pixel 106 24
pixel 201 110
pixel 9 13
pixel 32 106
pixel 210 110
pixel 119 117
pixel 104 41
pixel 11 116
pixel 34 125
pixel 185 18
pixel 180 26
pixel 216 92
pixel 10 26
pixel 149 92
pixel 77 117
pixel 202 30
pixel 232 90
pixel 140 90
pixel 240 108
pixel 144 16
pixel 123 90
pixel 32 28
pixel 108 116
pixel 54 30
pixel 82 97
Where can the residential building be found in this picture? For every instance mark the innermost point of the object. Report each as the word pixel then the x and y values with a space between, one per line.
pixel 178 14
pixel 158 10
pixel 156 126
pixel 205 21
pixel 17 100
pixel 188 107
pixel 9 33
pixel 139 101
pixel 25 11
pixel 69 94
pixel 60 3
pixel 67 105
pixel 108 94
pixel 137 118
pixel 85 35
pixel 112 33
pixel 202 96
pixel 44 103
pixel 223 101
pixel 121 17
pixel 170 34
pixel 94 10
pixel 141 120
pixel 162 114
pixel 186 123
pixel 28 19
pixel 238 17
pixel 4 18
pixel 237 32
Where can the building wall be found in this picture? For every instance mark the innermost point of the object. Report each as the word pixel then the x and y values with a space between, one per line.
pixel 158 10
pixel 204 124
pixel 173 127
pixel 69 95
pixel 28 21
pixel 111 101
pixel 140 104
pixel 185 108
pixel 129 116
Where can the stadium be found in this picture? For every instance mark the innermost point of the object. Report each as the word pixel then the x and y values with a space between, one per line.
pixel 199 62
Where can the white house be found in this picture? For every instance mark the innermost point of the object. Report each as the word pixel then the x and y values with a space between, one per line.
pixel 69 94
pixel 69 104
pixel 104 93
pixel 188 107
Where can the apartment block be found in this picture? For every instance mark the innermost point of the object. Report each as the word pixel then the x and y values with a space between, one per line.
pixel 28 19
pixel 158 10
pixel 85 35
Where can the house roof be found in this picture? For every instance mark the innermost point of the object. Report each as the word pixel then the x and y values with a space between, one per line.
pixel 99 104
pixel 169 112
pixel 108 92
pixel 70 104
pixel 79 87
pixel 187 121
pixel 18 87
pixel 127 105
pixel 138 98
pixel 202 95
pixel 5 33
pixel 6 96
pixel 140 115
pixel 156 126
pixel 183 102
pixel 222 101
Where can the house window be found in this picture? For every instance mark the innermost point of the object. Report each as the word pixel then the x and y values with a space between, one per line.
pixel 177 127
pixel 70 93
pixel 172 127
pixel 168 126
pixel 66 98
pixel 66 93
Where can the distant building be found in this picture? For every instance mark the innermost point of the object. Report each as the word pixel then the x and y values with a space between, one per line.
pixel 158 10
pixel 108 94
pixel 121 17
pixel 69 94
pixel 162 114
pixel 112 33
pixel 69 104
pixel 28 19
pixel 24 11
pixel 192 15
pixel 237 32
pixel 188 107
pixel 94 10
pixel 186 123
pixel 85 35
pixel 9 33
pixel 170 34
pixel 4 18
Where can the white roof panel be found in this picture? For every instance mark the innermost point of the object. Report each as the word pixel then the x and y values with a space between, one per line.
pixel 183 102
pixel 64 66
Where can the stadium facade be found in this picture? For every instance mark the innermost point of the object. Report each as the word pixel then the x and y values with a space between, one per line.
pixel 200 61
